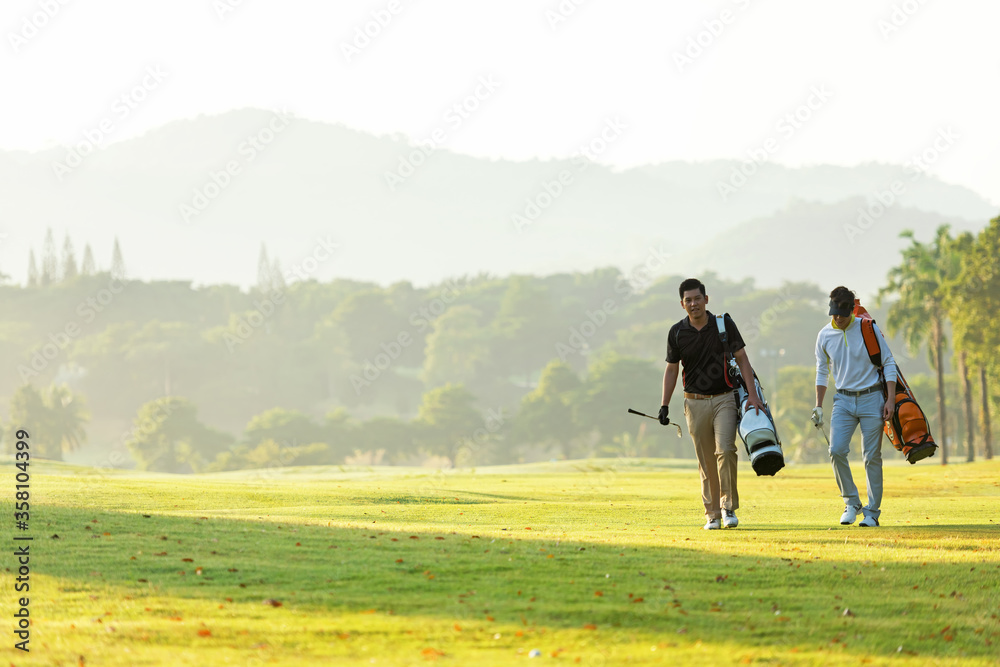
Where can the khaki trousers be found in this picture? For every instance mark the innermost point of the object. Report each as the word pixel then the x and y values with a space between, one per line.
pixel 712 425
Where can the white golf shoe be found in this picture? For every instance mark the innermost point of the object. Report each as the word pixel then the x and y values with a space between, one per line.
pixel 869 522
pixel 713 524
pixel 850 515
pixel 729 519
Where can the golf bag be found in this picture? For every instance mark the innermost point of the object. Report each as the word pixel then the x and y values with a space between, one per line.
pixel 756 428
pixel 908 430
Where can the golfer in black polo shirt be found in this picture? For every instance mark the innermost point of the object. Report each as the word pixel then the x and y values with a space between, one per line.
pixel 709 402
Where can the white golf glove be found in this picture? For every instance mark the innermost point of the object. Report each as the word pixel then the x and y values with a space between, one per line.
pixel 817 416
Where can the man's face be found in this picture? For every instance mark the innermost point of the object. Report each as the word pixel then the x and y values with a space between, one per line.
pixel 842 321
pixel 694 303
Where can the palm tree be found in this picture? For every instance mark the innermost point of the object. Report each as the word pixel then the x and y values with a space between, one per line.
pixel 920 282
pixel 985 414
pixel 976 303
pixel 54 418
pixel 966 386
pixel 27 411
pixel 963 311
pixel 67 414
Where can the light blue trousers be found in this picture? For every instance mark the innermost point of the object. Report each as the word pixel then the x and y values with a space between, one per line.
pixel 848 412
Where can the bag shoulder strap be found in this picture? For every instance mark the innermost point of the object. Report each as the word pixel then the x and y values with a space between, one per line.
pixel 720 322
pixel 728 361
pixel 871 342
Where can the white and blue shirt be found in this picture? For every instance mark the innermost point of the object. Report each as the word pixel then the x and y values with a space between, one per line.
pixel 844 350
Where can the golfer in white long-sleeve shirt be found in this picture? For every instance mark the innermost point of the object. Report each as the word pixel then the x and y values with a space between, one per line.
pixel 860 399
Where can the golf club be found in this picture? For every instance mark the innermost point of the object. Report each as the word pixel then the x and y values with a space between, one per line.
pixel 643 414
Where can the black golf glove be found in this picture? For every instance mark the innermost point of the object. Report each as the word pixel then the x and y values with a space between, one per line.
pixel 664 411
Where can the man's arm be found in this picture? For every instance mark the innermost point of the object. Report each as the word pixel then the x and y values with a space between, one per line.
pixel 822 375
pixel 889 370
pixel 743 361
pixel 817 412
pixel 670 374
pixel 890 400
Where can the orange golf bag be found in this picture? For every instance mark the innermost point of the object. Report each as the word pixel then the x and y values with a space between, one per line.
pixel 908 430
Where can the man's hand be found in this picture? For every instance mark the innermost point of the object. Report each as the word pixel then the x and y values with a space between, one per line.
pixel 754 400
pixel 889 409
pixel 664 411
pixel 817 416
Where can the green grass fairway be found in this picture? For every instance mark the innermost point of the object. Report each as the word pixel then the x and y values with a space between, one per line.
pixel 587 562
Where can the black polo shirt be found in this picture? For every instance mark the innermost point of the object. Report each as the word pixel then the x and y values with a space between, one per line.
pixel 700 352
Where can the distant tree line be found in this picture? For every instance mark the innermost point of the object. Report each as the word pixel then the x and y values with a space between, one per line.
pixel 472 371
pixel 56 268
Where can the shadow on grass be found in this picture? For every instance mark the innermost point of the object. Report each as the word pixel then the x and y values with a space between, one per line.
pixel 677 593
pixel 428 499
pixel 969 531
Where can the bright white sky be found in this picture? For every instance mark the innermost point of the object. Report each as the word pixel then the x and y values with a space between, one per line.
pixel 891 93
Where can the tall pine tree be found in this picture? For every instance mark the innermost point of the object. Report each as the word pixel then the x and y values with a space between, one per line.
pixel 277 277
pixel 50 263
pixel 32 270
pixel 117 262
pixel 87 268
pixel 69 270
pixel 264 280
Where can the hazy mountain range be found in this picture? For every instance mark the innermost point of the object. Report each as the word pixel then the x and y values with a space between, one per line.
pixel 288 182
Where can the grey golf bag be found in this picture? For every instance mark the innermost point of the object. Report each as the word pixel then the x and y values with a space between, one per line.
pixel 756 428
